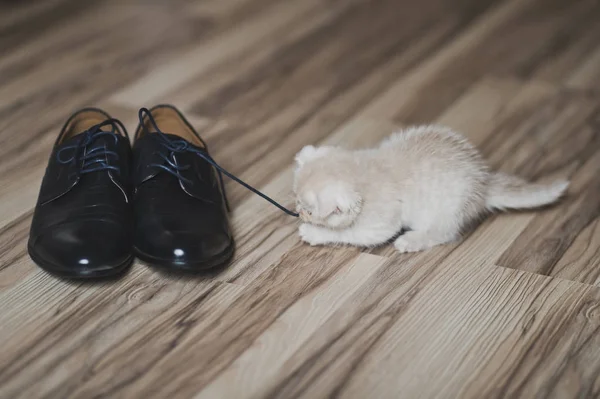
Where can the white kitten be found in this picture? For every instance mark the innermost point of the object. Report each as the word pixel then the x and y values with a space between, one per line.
pixel 428 180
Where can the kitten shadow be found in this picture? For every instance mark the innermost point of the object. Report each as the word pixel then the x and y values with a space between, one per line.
pixel 395 236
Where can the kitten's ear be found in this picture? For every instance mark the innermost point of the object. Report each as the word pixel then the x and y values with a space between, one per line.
pixel 309 152
pixel 305 154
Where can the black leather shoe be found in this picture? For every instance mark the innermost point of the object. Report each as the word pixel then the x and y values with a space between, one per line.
pixel 179 204
pixel 82 224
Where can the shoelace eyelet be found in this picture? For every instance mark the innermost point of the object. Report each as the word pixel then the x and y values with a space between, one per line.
pixel 88 158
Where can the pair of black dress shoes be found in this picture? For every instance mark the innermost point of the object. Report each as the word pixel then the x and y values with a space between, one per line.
pixel 103 202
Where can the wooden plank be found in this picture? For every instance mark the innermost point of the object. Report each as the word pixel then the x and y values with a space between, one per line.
pixel 586 76
pixel 290 331
pixel 189 361
pixel 177 72
pixel 497 44
pixel 546 239
pixel 260 79
pixel 555 138
pixel 454 328
pixel 250 378
pixel 572 63
pixel 15 25
pixel 14 262
pixel 74 342
pixel 581 261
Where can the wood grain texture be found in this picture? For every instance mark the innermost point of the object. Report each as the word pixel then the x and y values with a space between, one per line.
pixel 259 363
pixel 511 311
pixel 489 332
pixel 209 346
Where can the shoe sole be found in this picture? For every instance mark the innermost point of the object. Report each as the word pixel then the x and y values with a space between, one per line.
pixel 168 264
pixel 74 275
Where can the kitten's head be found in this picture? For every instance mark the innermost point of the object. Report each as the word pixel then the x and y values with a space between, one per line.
pixel 326 194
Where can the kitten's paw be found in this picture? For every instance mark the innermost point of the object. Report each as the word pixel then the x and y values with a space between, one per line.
pixel 404 245
pixel 415 241
pixel 309 234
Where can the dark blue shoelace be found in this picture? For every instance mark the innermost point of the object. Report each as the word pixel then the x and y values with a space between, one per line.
pixel 92 158
pixel 180 146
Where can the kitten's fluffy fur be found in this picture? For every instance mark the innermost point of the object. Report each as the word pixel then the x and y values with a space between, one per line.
pixel 427 180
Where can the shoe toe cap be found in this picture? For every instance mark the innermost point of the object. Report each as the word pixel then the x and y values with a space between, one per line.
pixel 184 249
pixel 82 249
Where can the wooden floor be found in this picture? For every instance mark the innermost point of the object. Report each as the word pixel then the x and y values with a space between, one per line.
pixel 512 312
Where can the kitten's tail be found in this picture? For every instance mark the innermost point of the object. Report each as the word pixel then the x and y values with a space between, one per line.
pixel 511 192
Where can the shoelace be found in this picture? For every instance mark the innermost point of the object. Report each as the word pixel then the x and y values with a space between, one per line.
pixel 180 146
pixel 92 158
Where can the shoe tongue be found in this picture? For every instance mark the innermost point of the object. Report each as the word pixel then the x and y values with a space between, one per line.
pixel 74 139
